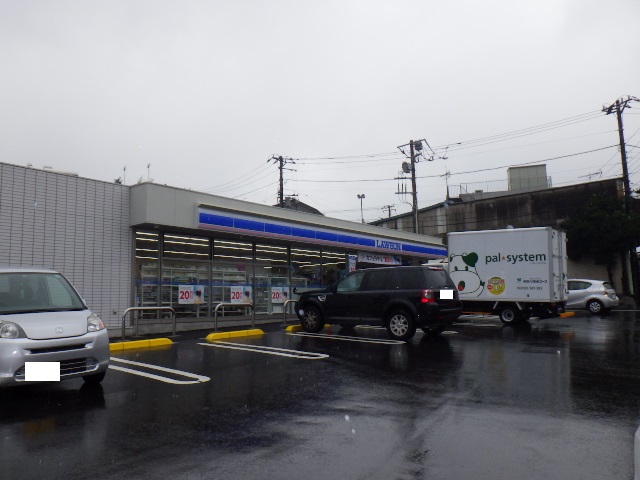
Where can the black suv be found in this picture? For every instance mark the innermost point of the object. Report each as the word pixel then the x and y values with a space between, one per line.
pixel 398 298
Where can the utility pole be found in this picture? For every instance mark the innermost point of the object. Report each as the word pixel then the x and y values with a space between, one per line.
pixel 414 193
pixel 415 149
pixel 389 208
pixel 282 161
pixel 619 107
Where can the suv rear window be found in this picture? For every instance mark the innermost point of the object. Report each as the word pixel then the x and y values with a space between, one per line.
pixel 425 277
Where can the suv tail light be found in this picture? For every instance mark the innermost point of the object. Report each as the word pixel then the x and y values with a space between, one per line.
pixel 428 296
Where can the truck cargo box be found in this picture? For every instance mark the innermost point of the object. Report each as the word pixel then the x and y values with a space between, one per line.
pixel 523 265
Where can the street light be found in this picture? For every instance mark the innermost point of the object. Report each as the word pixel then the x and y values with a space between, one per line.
pixel 361 196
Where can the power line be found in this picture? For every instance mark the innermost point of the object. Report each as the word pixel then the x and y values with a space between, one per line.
pixel 464 173
pixel 458 155
pixel 468 143
pixel 520 133
pixel 231 184
pixel 256 189
pixel 366 155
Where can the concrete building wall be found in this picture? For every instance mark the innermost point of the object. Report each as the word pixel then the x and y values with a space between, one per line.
pixel 77 226
pixel 153 204
pixel 545 207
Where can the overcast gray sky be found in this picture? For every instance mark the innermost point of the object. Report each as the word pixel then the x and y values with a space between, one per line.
pixel 207 91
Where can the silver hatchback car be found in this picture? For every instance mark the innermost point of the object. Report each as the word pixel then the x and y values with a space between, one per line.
pixel 44 319
pixel 596 296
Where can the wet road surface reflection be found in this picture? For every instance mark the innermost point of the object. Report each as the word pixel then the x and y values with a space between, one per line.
pixel 551 399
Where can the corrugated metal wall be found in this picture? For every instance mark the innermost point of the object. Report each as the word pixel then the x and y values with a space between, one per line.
pixel 75 225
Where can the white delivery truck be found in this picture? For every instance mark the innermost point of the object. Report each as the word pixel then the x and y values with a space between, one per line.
pixel 513 273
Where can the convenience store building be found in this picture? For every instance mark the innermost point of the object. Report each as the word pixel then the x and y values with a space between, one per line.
pixel 152 245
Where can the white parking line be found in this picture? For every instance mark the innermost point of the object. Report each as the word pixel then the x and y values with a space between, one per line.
pixel 282 352
pixel 348 339
pixel 197 378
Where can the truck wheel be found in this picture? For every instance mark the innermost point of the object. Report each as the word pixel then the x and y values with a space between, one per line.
pixel 510 314
pixel 312 320
pixel 595 307
pixel 400 325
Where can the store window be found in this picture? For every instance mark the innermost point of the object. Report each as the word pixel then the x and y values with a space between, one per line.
pixel 146 245
pixel 146 268
pixel 232 273
pixel 334 266
pixel 185 287
pixel 185 247
pixel 271 288
pixel 306 268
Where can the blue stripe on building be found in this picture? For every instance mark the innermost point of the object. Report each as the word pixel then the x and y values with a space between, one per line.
pixel 297 233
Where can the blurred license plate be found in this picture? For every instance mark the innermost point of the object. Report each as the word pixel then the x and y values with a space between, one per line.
pixel 446 294
pixel 42 371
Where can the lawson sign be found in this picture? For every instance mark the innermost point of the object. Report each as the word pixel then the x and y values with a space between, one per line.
pixel 389 245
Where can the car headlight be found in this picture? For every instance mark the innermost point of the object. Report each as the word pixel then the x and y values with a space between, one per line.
pixel 11 330
pixel 94 323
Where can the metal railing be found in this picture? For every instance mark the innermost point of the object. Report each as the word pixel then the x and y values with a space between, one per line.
pixel 228 304
pixel 133 309
pixel 284 311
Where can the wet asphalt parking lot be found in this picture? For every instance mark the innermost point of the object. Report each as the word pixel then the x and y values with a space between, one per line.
pixel 553 399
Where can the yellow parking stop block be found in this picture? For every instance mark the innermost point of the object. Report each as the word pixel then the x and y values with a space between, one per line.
pixel 212 337
pixel 254 332
pixel 152 342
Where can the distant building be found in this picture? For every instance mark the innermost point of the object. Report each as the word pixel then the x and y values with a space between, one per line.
pixel 293 203
pixel 523 205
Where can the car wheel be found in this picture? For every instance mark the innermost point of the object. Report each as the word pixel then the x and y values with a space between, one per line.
pixel 312 321
pixel 401 325
pixel 433 331
pixel 595 307
pixel 509 314
pixel 94 379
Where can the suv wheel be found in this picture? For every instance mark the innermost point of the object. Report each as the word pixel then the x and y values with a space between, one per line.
pixel 595 307
pixel 312 321
pixel 401 325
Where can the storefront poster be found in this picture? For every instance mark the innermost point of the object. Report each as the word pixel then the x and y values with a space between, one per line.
pixel 190 294
pixel 241 294
pixel 352 262
pixel 378 258
pixel 279 294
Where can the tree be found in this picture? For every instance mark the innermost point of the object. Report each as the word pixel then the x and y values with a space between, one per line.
pixel 602 230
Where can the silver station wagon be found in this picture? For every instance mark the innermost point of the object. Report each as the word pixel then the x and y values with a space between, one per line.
pixel 44 319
